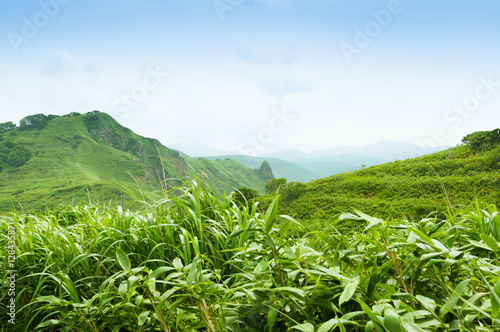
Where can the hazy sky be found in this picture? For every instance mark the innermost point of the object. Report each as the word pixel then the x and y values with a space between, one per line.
pixel 258 75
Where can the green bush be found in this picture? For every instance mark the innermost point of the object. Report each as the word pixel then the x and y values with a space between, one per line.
pixel 13 155
pixel 245 195
pixel 273 185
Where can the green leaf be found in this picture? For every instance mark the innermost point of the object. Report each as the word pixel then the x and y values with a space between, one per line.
pixel 271 213
pixel 159 271
pixel 142 317
pixel 426 302
pixel 50 323
pixel 332 323
pixel 307 327
pixel 192 271
pixel 178 263
pixel 391 319
pixel 452 301
pixel 271 317
pixel 495 304
pixel 348 292
pixel 479 244
pixel 375 321
pixel 68 285
pixel 372 220
pixel 123 259
pixel 49 298
pixel 422 236
pixel 490 242
pixel 426 257
pixel 327 326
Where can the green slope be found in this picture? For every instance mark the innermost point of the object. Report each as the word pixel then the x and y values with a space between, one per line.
pixel 72 158
pixel 413 187
pixel 229 174
pixel 281 168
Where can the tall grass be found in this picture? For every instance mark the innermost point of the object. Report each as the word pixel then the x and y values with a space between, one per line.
pixel 201 263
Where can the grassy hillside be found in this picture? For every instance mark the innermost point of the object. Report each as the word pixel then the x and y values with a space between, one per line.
pixel 53 160
pixel 413 187
pixel 230 172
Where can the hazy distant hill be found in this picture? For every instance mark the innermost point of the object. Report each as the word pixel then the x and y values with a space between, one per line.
pixel 344 158
pixel 386 150
pixel 65 159
pixel 300 166
pixel 281 168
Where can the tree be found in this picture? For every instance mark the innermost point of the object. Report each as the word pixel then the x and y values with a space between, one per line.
pixel 72 114
pixel 13 155
pixel 244 195
pixel 274 184
pixel 482 140
pixel 293 191
pixel 6 126
pixel 37 121
pixel 18 156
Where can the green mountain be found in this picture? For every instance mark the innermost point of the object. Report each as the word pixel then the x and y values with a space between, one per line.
pixel 410 188
pixel 67 159
pixel 281 168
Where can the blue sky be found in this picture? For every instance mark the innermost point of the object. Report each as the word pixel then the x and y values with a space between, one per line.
pixel 345 71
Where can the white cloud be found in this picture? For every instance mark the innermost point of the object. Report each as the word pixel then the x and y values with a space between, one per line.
pixel 5 68
pixel 95 64
pixel 277 72
pixel 58 62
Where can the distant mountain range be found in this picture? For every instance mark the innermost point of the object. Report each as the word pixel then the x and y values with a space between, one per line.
pixel 281 168
pixel 300 166
pixel 383 150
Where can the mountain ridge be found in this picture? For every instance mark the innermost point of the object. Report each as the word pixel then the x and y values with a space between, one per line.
pixel 76 156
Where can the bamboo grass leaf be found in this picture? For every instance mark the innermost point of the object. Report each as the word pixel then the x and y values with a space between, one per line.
pixel 143 317
pixel 391 319
pixel 271 213
pixel 495 303
pixel 51 322
pixel 422 236
pixel 123 259
pixel 374 320
pixel 348 292
pixel 452 301
pixel 306 327
pixel 490 242
pixel 271 316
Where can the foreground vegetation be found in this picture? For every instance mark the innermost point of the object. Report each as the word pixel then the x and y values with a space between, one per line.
pixel 195 262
